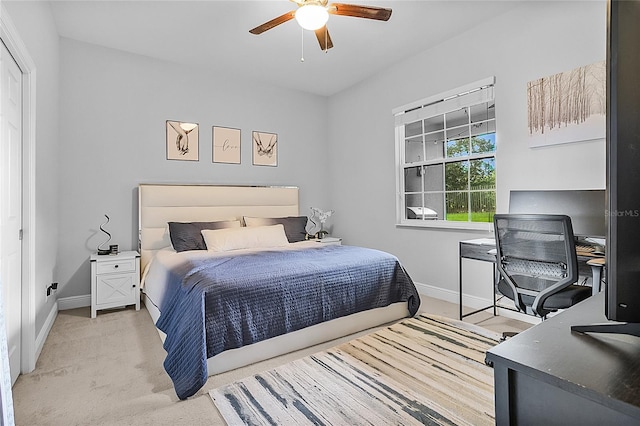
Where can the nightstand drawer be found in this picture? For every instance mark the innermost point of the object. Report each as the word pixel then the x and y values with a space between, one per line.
pixel 112 266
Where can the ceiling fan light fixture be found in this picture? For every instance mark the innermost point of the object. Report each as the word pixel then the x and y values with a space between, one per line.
pixel 312 16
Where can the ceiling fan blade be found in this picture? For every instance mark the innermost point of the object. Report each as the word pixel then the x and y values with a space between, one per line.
pixel 322 34
pixel 378 13
pixel 273 23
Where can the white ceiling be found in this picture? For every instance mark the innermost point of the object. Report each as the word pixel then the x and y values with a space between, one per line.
pixel 215 35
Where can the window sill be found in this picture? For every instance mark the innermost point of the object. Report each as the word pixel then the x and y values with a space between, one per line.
pixel 443 224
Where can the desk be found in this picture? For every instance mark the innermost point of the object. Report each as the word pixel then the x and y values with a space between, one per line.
pixel 481 249
pixel 477 250
pixel 548 375
pixel 597 266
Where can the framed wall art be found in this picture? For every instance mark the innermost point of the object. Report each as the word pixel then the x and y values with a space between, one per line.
pixel 567 107
pixel 182 141
pixel 226 145
pixel 265 149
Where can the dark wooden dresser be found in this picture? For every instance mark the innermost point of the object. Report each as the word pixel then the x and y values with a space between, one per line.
pixel 548 375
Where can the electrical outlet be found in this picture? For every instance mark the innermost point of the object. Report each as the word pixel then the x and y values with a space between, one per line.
pixel 53 287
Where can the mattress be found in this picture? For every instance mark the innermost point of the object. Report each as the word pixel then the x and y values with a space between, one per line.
pixel 212 302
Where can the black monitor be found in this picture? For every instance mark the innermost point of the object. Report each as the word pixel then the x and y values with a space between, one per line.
pixel 623 140
pixel 622 297
pixel 586 208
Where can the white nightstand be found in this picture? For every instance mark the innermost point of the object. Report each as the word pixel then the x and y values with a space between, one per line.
pixel 115 281
pixel 334 241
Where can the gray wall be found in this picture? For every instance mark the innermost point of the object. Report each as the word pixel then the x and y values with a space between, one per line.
pixel 36 28
pixel 113 107
pixel 534 40
pixel 113 112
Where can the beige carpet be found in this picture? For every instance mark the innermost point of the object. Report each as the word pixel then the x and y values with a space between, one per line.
pixel 423 370
pixel 108 371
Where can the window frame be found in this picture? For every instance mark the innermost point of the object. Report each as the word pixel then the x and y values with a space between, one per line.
pixel 403 115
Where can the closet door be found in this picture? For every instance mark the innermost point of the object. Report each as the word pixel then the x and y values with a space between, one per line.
pixel 11 203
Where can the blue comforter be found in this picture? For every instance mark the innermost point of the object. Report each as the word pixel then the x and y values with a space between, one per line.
pixel 223 303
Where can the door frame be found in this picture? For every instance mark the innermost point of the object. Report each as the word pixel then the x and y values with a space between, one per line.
pixel 9 35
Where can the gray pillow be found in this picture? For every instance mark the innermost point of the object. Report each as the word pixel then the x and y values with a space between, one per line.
pixel 293 225
pixel 187 236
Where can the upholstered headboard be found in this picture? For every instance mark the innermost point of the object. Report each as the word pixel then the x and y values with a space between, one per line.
pixel 160 204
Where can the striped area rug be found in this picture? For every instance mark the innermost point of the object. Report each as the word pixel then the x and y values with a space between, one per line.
pixel 422 370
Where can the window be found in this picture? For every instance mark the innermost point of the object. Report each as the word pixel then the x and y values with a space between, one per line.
pixel 445 149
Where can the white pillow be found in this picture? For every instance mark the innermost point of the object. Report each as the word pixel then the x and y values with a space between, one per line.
pixel 244 238
pixel 166 235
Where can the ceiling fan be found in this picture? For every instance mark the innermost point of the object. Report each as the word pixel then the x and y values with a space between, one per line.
pixel 313 15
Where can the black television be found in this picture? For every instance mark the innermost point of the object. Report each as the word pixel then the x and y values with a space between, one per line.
pixel 622 297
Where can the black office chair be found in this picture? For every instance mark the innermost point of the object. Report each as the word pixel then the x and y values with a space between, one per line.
pixel 536 260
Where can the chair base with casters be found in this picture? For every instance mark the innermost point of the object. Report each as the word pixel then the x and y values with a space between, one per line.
pixel 573 295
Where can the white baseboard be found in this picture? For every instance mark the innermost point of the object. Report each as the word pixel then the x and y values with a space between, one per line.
pixel 451 296
pixel 46 328
pixel 472 302
pixel 73 302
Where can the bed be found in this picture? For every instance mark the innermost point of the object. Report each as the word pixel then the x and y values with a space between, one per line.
pixel 300 279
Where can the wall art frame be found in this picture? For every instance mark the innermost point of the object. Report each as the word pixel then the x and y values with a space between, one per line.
pixel 226 145
pixel 182 140
pixel 568 106
pixel 265 148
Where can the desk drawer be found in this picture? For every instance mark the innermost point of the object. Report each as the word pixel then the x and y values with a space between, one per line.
pixel 477 251
pixel 113 266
